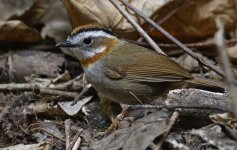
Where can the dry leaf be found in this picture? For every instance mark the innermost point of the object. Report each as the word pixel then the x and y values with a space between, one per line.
pixel 48 126
pixel 14 8
pixel 45 108
pixel 38 63
pixel 139 136
pixel 191 20
pixel 40 146
pixel 17 31
pixel 214 135
pixel 73 110
pixel 232 52
pixel 225 119
pixel 103 12
pixel 196 19
pixel 191 64
pixel 38 10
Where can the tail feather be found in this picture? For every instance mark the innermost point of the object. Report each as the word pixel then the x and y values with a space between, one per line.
pixel 206 84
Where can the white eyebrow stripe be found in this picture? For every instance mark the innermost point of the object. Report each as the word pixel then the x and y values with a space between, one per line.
pixel 87 34
pixel 95 34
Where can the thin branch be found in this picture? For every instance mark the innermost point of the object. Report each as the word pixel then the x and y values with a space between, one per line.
pixel 226 66
pixel 136 26
pixel 77 144
pixel 75 139
pixel 172 121
pixel 173 39
pixel 65 94
pixel 84 90
pixel 68 132
pixel 165 18
pixel 33 87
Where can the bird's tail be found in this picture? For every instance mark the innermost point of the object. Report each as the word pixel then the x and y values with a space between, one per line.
pixel 206 84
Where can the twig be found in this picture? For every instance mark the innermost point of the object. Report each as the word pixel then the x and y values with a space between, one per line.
pixel 65 94
pixel 68 133
pixel 75 138
pixel 77 98
pixel 77 144
pixel 226 66
pixel 67 85
pixel 172 121
pixel 18 86
pixel 173 39
pixel 136 26
pixel 33 87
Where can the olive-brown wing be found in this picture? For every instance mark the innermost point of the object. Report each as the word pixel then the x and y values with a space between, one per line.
pixel 138 64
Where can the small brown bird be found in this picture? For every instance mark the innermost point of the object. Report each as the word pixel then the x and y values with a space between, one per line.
pixel 123 72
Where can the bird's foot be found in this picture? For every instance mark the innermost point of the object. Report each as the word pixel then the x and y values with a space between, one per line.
pixel 116 122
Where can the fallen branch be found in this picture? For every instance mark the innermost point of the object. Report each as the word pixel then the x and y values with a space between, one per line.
pixel 36 87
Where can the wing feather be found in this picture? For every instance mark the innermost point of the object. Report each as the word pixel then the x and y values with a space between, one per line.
pixel 143 65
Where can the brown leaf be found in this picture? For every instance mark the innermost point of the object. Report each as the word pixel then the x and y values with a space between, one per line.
pixel 17 31
pixel 142 132
pixel 191 21
pixel 37 11
pixel 103 12
pixel 232 52
pixel 196 19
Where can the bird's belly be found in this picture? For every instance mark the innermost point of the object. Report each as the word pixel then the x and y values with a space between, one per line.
pixel 123 90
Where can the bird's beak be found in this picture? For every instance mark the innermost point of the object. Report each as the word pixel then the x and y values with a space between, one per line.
pixel 66 44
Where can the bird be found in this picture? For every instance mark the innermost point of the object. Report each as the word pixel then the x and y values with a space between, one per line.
pixel 126 73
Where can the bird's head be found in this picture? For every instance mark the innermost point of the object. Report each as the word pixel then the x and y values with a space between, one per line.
pixel 90 43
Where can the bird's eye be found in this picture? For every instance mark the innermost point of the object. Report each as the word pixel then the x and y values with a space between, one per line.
pixel 87 41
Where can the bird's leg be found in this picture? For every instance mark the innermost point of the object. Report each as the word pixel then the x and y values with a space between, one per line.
pixel 113 111
pixel 118 119
pixel 110 108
